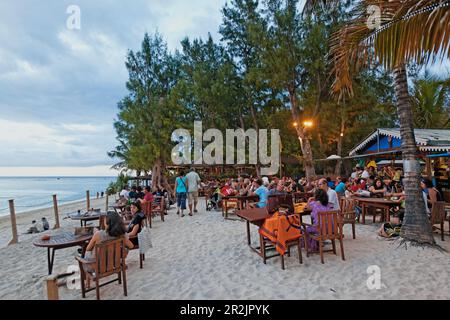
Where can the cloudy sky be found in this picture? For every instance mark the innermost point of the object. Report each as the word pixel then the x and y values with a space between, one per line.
pixel 59 87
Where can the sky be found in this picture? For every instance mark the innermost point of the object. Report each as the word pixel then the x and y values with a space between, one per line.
pixel 59 87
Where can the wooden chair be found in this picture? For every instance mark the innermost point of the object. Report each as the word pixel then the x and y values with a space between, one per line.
pixel 102 222
pixel 144 223
pixel 329 228
pixel 147 210
pixel 267 243
pixel 141 255
pixel 299 197
pixel 159 208
pixel 348 214
pixel 231 203
pixel 438 216
pixel 110 260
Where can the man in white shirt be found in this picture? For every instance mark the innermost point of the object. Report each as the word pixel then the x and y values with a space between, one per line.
pixel 193 181
pixel 125 193
pixel 333 199
pixel 365 174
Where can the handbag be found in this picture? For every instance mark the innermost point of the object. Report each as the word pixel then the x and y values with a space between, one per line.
pixel 144 240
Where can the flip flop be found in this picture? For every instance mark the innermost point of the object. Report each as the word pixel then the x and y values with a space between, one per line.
pixel 190 214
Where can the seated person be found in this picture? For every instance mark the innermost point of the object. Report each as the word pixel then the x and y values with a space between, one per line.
pixel 133 195
pixel 45 224
pixel 262 192
pixel 319 203
pixel 341 186
pixel 122 201
pixel 135 225
pixel 35 227
pixel 378 189
pixel 140 193
pixel 279 189
pixel 148 196
pixel 227 190
pixel 114 230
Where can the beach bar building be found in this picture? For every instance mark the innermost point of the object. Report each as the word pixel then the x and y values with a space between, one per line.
pixel 433 147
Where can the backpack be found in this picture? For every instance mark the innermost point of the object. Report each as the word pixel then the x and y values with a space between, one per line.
pixel 389 230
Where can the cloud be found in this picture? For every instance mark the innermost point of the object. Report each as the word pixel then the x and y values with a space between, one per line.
pixel 32 143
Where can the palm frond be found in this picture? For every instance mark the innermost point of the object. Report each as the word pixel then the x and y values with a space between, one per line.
pixel 417 31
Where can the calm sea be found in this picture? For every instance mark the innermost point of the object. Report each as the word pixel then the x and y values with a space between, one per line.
pixel 35 193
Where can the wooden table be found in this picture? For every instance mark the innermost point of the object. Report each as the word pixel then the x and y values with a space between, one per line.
pixel 119 208
pixel 61 241
pixel 84 219
pixel 379 203
pixel 241 203
pixel 256 218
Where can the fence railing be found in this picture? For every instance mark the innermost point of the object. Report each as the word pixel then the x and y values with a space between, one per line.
pixel 12 213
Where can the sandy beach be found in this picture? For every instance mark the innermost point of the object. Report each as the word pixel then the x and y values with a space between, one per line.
pixel 206 257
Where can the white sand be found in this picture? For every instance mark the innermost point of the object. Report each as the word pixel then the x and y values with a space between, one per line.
pixel 205 257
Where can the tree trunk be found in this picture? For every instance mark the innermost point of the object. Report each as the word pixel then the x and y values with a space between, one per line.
pixel 416 225
pixel 305 144
pixel 159 178
pixel 337 170
pixel 255 123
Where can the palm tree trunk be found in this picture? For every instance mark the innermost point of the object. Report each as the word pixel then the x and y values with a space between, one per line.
pixel 337 170
pixel 416 225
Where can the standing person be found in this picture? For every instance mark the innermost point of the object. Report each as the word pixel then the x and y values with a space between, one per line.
pixel 193 180
pixel 332 195
pixel 181 188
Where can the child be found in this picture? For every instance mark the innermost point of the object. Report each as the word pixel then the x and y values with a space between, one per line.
pixel 45 224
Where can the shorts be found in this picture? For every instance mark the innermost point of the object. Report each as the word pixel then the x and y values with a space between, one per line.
pixel 181 200
pixel 192 197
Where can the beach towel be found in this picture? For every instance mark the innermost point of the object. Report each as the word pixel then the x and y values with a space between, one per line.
pixel 389 230
pixel 144 240
pixel 279 229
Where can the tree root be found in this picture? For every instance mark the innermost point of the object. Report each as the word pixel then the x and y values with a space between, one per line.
pixel 404 242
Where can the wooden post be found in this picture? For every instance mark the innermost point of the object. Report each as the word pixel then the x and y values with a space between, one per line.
pixel 106 203
pixel 12 212
pixel 428 168
pixel 88 201
pixel 55 208
pixel 52 287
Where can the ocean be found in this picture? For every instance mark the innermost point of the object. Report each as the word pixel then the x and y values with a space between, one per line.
pixel 30 193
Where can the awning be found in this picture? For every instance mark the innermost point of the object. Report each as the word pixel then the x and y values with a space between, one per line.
pixel 443 155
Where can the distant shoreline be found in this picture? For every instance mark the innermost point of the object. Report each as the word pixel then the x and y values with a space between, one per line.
pixel 61 204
